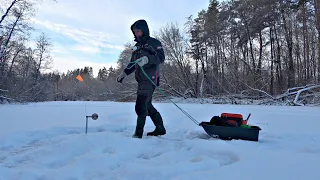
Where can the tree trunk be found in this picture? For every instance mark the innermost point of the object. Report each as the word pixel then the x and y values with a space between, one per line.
pixel 306 57
pixel 197 77
pixel 317 8
pixel 278 61
pixel 313 56
pixel 219 64
pixel 300 66
pixel 288 36
pixel 38 68
pixel 215 66
pixel 203 68
pixel 251 50
pixel 222 67
pixel 271 71
pixel 234 57
pixel 260 55
pixel 7 12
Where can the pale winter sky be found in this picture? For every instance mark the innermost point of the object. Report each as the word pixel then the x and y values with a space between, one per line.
pixel 93 32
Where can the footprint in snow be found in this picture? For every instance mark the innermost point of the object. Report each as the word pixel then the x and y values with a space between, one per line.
pixel 196 159
pixel 29 147
pixel 109 150
pixel 197 135
pixel 148 156
pixel 310 150
pixel 223 157
pixel 118 129
pixel 226 157
pixel 101 129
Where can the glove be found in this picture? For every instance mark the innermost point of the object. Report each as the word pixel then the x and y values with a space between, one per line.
pixel 142 61
pixel 121 77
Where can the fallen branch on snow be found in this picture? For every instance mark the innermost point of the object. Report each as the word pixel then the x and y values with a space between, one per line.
pixel 3 98
pixel 260 91
pixel 302 90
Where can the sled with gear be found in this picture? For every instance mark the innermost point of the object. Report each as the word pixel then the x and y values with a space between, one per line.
pixel 230 126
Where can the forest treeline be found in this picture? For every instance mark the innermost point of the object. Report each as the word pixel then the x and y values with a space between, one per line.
pixel 238 48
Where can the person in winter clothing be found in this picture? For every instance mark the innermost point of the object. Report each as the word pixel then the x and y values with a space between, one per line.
pixel 149 53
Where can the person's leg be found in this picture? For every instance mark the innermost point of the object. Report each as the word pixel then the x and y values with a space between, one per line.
pixel 144 94
pixel 151 109
pixel 156 119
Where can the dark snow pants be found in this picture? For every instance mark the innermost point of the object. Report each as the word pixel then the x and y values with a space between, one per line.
pixel 144 105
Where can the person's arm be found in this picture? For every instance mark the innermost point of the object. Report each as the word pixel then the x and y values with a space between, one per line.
pixel 156 54
pixel 130 67
pixel 159 56
pixel 128 70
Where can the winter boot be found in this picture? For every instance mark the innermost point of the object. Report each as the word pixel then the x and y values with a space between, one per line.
pixel 139 127
pixel 157 121
pixel 137 135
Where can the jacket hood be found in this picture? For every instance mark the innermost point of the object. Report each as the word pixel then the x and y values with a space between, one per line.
pixel 141 24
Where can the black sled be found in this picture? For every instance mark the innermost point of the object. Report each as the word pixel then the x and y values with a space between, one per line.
pixel 231 126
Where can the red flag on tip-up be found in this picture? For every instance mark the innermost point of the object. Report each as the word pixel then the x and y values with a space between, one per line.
pixel 79 77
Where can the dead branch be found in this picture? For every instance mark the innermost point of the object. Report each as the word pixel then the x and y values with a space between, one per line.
pixel 260 91
pixel 298 88
pixel 295 102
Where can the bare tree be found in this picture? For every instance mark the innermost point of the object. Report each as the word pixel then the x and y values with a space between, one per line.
pixel 8 10
pixel 42 54
pixel 177 69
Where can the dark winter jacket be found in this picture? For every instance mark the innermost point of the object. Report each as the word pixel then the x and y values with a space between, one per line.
pixel 150 47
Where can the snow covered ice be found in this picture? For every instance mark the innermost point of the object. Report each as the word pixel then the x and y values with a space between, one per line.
pixel 46 141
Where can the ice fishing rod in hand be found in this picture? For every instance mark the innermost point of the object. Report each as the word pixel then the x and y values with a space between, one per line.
pixel 141 62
